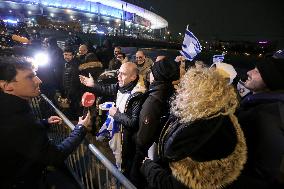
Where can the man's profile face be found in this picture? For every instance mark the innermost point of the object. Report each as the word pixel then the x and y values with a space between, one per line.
pixel 25 85
pixel 68 56
pixel 254 81
pixel 125 75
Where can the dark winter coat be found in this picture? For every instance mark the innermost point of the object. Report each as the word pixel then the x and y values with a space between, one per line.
pixel 114 64
pixel 72 89
pixel 129 119
pixel 153 115
pixel 203 154
pixel 71 82
pixel 25 147
pixel 261 117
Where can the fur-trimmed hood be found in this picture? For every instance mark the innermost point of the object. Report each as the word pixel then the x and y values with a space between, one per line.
pixel 93 64
pixel 199 169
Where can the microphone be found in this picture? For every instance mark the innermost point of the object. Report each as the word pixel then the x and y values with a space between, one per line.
pixel 88 100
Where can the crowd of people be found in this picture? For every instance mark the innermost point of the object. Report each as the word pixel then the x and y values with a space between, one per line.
pixel 175 124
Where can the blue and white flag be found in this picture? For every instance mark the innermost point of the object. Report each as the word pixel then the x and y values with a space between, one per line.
pixel 218 58
pixel 110 126
pixel 111 130
pixel 243 91
pixel 190 46
pixel 108 129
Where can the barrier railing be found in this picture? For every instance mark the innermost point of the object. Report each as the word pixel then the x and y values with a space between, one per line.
pixel 88 164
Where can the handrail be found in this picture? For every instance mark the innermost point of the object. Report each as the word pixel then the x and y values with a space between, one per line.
pixel 64 118
pixel 115 172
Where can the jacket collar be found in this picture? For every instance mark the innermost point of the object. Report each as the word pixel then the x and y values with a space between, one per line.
pixel 262 98
pixel 11 104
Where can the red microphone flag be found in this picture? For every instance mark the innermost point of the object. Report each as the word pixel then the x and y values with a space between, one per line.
pixel 88 99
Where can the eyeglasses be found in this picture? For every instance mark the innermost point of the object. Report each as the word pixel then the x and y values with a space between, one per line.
pixel 139 57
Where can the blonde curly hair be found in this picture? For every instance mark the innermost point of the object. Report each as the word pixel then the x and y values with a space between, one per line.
pixel 203 94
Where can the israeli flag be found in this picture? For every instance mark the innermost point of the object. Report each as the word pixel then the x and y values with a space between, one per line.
pixel 108 129
pixel 243 91
pixel 191 46
pixel 218 58
pixel 111 130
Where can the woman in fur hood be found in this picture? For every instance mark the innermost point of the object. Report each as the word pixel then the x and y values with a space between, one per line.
pixel 202 145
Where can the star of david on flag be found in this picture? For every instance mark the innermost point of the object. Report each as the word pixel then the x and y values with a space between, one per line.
pixel 190 46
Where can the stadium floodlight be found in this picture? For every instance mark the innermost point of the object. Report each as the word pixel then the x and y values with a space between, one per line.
pixel 11 21
pixel 100 32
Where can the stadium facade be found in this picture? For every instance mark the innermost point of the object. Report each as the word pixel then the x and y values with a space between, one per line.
pixel 112 17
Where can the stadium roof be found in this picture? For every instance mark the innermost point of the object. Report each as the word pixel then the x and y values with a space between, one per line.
pixel 157 21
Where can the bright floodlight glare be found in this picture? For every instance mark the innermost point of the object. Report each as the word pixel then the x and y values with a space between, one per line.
pixel 40 59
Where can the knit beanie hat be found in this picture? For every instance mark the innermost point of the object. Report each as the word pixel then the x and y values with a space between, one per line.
pixel 226 70
pixel 272 73
pixel 165 70
pixel 279 54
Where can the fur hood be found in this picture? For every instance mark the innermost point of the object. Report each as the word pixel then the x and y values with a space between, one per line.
pixel 87 65
pixel 215 173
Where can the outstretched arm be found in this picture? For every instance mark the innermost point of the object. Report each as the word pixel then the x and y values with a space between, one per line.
pixel 100 90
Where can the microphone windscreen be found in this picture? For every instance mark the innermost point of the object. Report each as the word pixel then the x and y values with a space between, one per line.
pixel 88 99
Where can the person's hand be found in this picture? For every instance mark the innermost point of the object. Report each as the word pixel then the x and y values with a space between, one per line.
pixel 159 58
pixel 180 59
pixel 54 120
pixel 86 122
pixel 112 111
pixel 87 81
pixel 145 159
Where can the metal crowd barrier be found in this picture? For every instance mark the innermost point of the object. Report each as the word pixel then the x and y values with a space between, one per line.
pixel 87 164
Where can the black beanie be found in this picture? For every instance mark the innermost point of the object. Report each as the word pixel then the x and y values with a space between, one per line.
pixel 272 73
pixel 165 70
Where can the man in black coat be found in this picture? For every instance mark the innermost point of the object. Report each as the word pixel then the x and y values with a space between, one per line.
pixel 71 90
pixel 128 91
pixel 24 144
pixel 262 118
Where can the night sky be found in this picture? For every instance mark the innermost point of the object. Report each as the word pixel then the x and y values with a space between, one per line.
pixel 224 19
